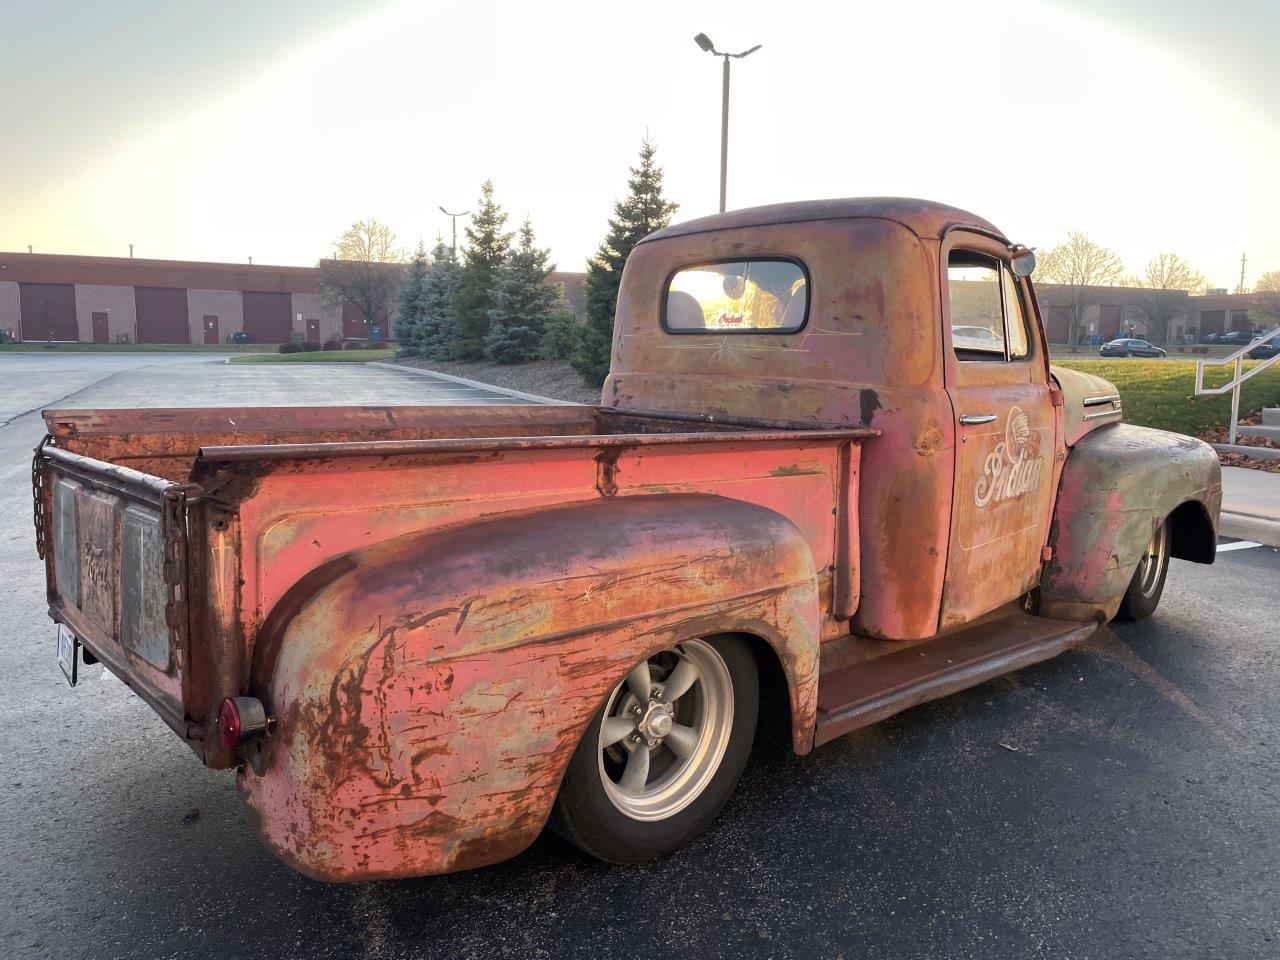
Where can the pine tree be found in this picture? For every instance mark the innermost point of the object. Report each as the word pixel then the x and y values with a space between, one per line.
pixel 488 248
pixel 409 318
pixel 643 211
pixel 522 302
pixel 560 338
pixel 436 303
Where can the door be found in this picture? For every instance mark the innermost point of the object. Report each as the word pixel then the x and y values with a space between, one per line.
pixel 48 311
pixel 101 331
pixel 211 330
pixel 162 314
pixel 313 330
pixel 1006 430
pixel 268 317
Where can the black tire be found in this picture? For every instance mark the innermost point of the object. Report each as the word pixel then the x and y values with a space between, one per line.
pixel 1147 585
pixel 585 815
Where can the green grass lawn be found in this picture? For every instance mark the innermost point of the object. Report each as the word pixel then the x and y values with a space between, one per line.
pixel 39 346
pixel 1160 393
pixel 318 356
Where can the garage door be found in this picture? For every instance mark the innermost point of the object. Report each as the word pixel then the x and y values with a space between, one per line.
pixel 162 315
pixel 48 311
pixel 268 317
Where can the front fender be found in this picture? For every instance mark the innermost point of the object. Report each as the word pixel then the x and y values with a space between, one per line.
pixel 1118 484
pixel 429 690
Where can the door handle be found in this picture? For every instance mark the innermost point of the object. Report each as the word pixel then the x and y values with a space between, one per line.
pixel 972 418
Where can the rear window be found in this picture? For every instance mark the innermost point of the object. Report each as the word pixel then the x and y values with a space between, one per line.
pixel 765 295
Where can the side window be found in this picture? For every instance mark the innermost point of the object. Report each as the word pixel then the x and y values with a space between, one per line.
pixel 987 319
pixel 977 316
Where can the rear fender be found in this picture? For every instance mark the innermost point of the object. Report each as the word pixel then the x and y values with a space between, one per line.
pixel 1118 484
pixel 429 690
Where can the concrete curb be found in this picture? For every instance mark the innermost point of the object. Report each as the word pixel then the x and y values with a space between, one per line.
pixel 1257 453
pixel 532 397
pixel 1246 526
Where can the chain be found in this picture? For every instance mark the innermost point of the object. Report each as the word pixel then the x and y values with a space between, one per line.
pixel 37 494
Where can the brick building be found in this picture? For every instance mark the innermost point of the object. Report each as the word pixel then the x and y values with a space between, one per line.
pixel 123 299
pixel 1118 312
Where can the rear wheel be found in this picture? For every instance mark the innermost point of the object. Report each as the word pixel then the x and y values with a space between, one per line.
pixel 1143 595
pixel 661 758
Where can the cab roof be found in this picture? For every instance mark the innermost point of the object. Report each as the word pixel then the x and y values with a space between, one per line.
pixel 923 217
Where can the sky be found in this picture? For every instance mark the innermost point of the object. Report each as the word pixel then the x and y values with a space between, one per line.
pixel 262 128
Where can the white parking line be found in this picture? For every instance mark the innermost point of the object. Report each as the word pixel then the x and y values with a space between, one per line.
pixel 1238 545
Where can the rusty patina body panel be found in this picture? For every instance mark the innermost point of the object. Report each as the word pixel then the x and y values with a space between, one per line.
pixel 433 736
pixel 1108 508
pixel 431 604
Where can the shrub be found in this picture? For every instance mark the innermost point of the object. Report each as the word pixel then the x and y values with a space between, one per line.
pixel 290 348
pixel 352 345
pixel 309 347
pixel 559 338
pixel 333 344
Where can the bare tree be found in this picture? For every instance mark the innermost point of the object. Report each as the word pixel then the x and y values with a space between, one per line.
pixel 1166 282
pixel 1265 310
pixel 366 270
pixel 1079 265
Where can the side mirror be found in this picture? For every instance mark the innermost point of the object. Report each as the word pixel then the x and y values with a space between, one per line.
pixel 1023 264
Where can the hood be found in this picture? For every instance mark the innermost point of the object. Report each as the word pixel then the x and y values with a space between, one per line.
pixel 1088 402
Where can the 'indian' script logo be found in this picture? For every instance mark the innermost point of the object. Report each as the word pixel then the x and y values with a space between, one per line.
pixel 1014 466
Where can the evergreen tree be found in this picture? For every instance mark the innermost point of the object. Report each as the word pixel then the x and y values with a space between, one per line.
pixel 522 302
pixel 409 319
pixel 436 303
pixel 488 248
pixel 561 335
pixel 641 212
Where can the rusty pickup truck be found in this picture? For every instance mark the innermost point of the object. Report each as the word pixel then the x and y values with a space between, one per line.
pixel 832 475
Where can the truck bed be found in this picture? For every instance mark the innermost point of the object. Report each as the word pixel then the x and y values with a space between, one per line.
pixel 171 535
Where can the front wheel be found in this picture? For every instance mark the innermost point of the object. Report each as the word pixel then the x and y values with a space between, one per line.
pixel 1143 595
pixel 661 758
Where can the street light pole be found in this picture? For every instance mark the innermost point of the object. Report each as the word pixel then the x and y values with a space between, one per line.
pixel 454 219
pixel 724 134
pixel 703 41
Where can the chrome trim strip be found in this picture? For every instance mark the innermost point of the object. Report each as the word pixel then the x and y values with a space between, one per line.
pixel 1098 415
pixel 1094 401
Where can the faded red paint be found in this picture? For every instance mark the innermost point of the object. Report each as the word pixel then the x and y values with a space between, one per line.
pixel 433 602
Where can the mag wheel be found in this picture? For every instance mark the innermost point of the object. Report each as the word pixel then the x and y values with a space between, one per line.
pixel 664 753
pixel 1143 595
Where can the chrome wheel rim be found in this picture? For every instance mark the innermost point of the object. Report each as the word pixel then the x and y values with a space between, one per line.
pixel 665 731
pixel 1151 566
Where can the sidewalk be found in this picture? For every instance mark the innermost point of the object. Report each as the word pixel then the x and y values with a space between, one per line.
pixel 1251 505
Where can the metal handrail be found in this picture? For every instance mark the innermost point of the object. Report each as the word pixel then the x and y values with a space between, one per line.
pixel 1239 377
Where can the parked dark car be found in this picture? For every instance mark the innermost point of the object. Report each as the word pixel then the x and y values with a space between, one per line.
pixel 1212 338
pixel 1237 338
pixel 1130 348
pixel 1263 351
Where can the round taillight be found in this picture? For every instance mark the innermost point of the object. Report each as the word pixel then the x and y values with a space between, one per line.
pixel 229 723
pixel 240 718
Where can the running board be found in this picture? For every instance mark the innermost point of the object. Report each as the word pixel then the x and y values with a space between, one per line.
pixel 872 690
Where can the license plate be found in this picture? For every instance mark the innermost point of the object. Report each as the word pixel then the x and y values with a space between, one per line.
pixel 68 654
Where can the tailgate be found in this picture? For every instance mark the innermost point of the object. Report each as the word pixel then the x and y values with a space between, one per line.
pixel 114 542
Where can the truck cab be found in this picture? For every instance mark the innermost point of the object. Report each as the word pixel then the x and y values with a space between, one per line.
pixel 919 323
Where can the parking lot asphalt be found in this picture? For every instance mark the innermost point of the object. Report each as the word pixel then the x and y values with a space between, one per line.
pixel 1121 800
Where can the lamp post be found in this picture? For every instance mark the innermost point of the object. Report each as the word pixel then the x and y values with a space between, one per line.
pixel 703 41
pixel 454 219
